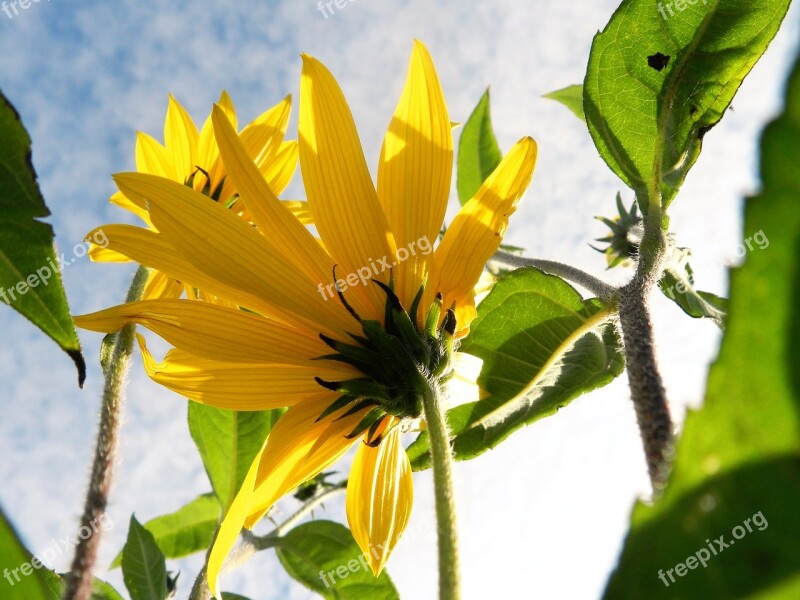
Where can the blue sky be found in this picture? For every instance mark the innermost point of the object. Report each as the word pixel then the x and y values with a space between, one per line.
pixel 86 76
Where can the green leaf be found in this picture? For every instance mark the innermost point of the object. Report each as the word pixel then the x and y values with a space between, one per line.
pixel 542 346
pixel 478 152
pixel 677 284
pixel 143 568
pixel 230 596
pixel 101 590
pixel 104 591
pixel 30 279
pixel 22 580
pixel 571 97
pixel 737 463
pixel 228 442
pixel 324 557
pixel 189 529
pixel 660 75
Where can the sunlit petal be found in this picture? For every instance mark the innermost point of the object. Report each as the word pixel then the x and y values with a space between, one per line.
pixel 212 331
pixel 415 169
pixel 180 138
pixel 380 493
pixel 478 228
pixel 234 386
pixel 343 200
pixel 299 448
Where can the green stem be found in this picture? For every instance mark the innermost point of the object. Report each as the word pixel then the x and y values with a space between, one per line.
pixel 79 580
pixel 442 457
pixel 596 286
pixel 310 504
pixel 647 389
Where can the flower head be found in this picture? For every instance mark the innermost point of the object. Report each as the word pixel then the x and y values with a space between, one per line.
pixel 192 157
pixel 344 330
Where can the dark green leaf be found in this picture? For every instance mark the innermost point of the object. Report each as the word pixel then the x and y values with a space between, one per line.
pixel 542 346
pixel 323 556
pixel 660 75
pixel 737 462
pixel 143 568
pixel 228 442
pixel 571 97
pixel 478 152
pixel 189 529
pixel 677 284
pixel 30 279
pixel 22 579
pixel 230 596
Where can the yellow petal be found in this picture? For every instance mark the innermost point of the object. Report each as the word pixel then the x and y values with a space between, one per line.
pixel 204 296
pixel 279 170
pixel 273 218
pixel 105 254
pixel 415 170
pixel 262 138
pixel 152 157
pixel 380 493
pixel 478 228
pixel 118 199
pixel 343 200
pixel 234 386
pixel 207 153
pixel 212 331
pixel 226 104
pixel 151 249
pixel 208 150
pixel 180 139
pixel 298 449
pixel 230 250
pixel 231 526
pixel 159 285
pixel 463 386
pixel 300 210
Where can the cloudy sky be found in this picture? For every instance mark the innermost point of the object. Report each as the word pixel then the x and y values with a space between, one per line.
pixel 542 515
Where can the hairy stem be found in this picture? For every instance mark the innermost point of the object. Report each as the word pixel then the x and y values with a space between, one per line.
pixel 647 388
pixel 442 458
pixel 79 580
pixel 250 544
pixel 596 286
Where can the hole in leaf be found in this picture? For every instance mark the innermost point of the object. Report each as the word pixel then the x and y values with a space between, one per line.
pixel 657 61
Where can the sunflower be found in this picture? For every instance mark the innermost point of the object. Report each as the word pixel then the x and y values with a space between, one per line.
pixel 346 330
pixel 192 157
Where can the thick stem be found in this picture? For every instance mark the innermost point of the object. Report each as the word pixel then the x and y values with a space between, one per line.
pixel 442 458
pixel 79 580
pixel 200 590
pixel 647 388
pixel 596 286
